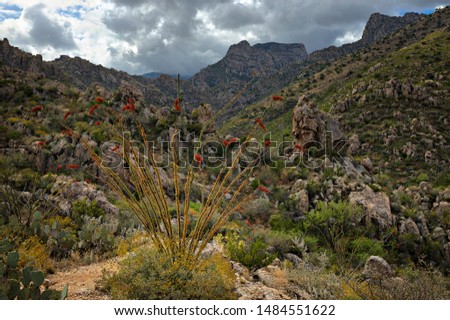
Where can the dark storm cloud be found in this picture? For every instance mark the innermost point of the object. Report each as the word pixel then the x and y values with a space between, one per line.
pixel 45 32
pixel 176 35
pixel 232 16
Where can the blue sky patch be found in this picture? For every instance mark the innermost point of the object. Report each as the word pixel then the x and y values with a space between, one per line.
pixel 9 11
pixel 73 11
pixel 426 11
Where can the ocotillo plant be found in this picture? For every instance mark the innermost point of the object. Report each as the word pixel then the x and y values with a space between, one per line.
pixel 144 192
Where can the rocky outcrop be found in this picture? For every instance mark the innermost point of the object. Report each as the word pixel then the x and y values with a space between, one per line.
pixel 309 125
pixel 377 208
pixel 16 58
pixel 67 190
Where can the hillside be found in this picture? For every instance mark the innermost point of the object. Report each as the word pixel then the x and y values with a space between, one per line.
pixel 377 93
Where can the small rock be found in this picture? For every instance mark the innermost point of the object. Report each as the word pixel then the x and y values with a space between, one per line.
pixel 367 163
pixel 438 233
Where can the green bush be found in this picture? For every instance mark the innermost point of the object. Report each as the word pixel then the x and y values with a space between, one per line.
pixel 82 208
pixel 362 248
pixel 149 275
pixel 252 253
pixel 331 221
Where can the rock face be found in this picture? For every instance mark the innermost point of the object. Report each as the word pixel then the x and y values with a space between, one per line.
pixel 19 59
pixel 377 208
pixel 242 59
pixel 310 125
pixel 378 26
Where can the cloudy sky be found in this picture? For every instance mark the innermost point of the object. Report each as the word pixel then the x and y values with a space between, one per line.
pixel 181 36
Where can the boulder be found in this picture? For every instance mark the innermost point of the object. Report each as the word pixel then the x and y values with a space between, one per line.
pixel 377 268
pixel 353 144
pixel 247 289
pixel 299 185
pixel 367 163
pixel 408 226
pixel 377 208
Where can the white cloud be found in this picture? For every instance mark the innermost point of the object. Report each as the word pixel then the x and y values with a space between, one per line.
pixel 183 36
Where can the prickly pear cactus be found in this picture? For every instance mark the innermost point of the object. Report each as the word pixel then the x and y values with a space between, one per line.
pixel 22 284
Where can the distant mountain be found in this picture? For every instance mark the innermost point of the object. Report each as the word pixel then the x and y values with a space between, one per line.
pixel 275 64
pixel 378 27
pixel 156 75
pixel 242 59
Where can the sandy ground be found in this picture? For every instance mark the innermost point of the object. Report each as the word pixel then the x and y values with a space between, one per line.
pixel 82 280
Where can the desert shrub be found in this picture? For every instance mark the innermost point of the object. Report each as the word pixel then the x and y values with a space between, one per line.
pixel 34 253
pixel 443 180
pixel 132 243
pixel 149 274
pixel 331 221
pixel 315 281
pixel 313 189
pixel 404 199
pixel 82 208
pixel 280 222
pixel 251 252
pixel 413 284
pixel 422 177
pixel 362 248
pixel 254 184
pixel 258 210
pixel 282 243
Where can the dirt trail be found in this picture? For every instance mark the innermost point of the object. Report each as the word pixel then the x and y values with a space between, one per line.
pixel 82 280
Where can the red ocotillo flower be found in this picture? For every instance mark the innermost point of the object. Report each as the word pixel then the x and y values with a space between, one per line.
pixel 128 107
pixel 92 109
pixel 66 115
pixel 97 123
pixel 277 98
pixel 99 100
pixel 72 166
pixel 114 149
pixel 263 189
pixel 59 167
pixel 259 121
pixel 176 105
pixel 198 158
pixel 68 133
pixel 267 142
pixel 299 147
pixel 227 142
pixel 37 108
pixel 40 144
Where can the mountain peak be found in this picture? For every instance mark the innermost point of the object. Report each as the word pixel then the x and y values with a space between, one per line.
pixel 239 47
pixel 379 25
